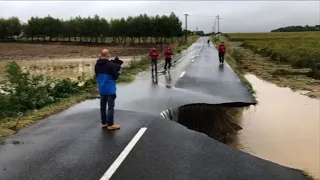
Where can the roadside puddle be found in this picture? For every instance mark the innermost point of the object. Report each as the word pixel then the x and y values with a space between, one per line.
pixel 282 128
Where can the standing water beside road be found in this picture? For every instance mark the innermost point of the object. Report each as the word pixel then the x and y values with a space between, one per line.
pixel 282 128
pixel 62 68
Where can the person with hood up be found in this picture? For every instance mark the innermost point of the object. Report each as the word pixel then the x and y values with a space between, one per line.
pixel 168 53
pixel 107 73
pixel 153 54
pixel 222 50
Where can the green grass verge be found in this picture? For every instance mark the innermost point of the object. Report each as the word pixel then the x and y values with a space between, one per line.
pixel 129 73
pixel 9 126
pixel 279 73
pixel 233 63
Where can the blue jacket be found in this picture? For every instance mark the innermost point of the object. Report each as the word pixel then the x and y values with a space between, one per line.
pixel 106 73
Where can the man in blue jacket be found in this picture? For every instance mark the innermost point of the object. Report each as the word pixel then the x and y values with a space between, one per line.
pixel 107 73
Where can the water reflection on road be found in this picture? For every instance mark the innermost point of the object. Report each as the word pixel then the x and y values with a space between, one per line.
pixel 283 127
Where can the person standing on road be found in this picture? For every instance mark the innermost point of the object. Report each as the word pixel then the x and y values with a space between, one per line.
pixel 107 73
pixel 153 54
pixel 168 53
pixel 208 42
pixel 222 51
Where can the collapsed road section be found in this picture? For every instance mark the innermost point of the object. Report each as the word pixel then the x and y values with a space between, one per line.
pixel 71 145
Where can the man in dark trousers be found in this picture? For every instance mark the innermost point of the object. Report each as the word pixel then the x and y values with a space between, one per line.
pixel 107 73
pixel 153 54
pixel 222 51
pixel 168 54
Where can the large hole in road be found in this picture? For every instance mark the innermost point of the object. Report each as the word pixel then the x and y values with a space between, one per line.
pixel 218 121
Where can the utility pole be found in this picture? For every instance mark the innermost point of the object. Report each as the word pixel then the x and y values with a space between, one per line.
pixel 186 28
pixel 214 26
pixel 218 17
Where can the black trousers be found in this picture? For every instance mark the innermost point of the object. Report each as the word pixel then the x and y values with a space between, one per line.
pixel 154 66
pixel 221 57
pixel 104 101
pixel 154 70
pixel 167 63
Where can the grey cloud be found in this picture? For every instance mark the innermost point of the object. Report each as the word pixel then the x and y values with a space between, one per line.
pixel 237 16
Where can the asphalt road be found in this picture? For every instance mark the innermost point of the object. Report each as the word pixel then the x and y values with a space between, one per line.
pixel 195 78
pixel 71 145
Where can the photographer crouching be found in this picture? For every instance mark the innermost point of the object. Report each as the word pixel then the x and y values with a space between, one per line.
pixel 107 72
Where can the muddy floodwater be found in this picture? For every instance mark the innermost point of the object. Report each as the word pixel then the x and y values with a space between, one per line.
pixel 282 128
pixel 62 68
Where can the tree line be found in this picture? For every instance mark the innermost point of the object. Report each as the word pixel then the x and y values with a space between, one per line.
pixel 297 28
pixel 133 29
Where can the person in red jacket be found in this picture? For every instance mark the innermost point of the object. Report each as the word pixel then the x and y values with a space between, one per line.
pixel 153 54
pixel 168 53
pixel 222 50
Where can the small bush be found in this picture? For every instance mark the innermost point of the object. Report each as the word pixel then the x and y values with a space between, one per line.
pixel 237 55
pixel 26 92
pixel 64 88
pixel 315 70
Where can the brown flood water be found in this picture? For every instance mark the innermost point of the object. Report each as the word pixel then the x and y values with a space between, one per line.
pixel 62 68
pixel 282 128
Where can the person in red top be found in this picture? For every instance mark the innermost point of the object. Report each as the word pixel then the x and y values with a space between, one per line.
pixel 168 53
pixel 222 50
pixel 153 54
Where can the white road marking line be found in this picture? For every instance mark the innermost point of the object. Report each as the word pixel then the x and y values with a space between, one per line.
pixel 182 73
pixel 192 60
pixel 199 50
pixel 115 165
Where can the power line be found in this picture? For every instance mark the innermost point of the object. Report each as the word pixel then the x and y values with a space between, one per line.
pixel 202 16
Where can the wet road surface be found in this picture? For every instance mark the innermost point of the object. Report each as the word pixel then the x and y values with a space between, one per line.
pixel 71 145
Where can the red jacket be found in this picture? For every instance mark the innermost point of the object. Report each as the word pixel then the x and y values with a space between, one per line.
pixel 222 48
pixel 168 53
pixel 154 54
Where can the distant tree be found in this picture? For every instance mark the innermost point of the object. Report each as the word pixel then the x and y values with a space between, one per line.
pixel 199 33
pixel 10 27
pixel 297 28
pixel 95 29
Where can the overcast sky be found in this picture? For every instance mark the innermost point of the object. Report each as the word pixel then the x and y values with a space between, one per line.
pixel 237 16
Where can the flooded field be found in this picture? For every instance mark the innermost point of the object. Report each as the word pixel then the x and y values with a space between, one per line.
pixel 62 68
pixel 282 128
pixel 60 60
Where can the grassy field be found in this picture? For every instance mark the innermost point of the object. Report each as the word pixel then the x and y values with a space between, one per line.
pixel 300 50
pixel 287 59
pixel 272 36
